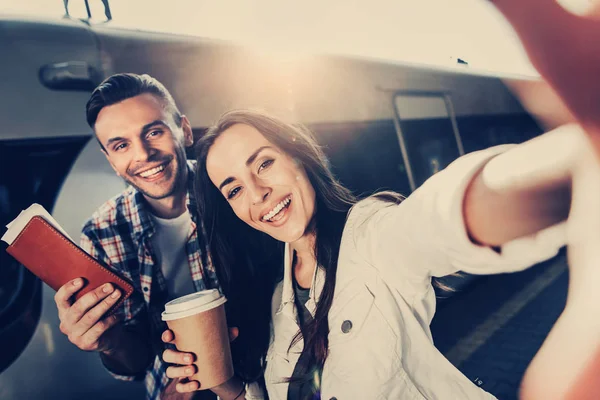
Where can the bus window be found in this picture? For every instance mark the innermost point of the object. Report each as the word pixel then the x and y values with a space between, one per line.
pixel 364 155
pixel 428 131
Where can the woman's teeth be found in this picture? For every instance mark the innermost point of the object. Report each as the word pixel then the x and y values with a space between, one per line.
pixel 277 209
pixel 153 171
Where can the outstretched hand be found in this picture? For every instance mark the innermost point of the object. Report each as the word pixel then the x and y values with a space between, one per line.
pixel 563 47
pixel 567 365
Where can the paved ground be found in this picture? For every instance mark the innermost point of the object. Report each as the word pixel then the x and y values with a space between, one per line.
pixel 492 328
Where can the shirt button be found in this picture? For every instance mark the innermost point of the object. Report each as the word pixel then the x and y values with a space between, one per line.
pixel 346 326
pixel 146 288
pixel 333 398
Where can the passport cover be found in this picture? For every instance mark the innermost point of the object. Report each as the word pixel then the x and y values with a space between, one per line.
pixel 56 260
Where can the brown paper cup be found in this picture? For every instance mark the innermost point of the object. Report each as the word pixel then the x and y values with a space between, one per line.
pixel 200 327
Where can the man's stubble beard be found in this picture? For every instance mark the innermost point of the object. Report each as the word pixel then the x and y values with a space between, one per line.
pixel 178 180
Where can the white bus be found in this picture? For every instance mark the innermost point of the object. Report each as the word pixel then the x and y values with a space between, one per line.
pixel 384 125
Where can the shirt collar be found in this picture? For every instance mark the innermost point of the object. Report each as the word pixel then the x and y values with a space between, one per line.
pixel 316 287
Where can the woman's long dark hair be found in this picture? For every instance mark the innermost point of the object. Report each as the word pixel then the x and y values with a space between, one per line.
pixel 249 262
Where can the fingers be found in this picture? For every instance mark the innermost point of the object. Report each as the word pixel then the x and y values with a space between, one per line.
pixel 92 317
pixel 91 339
pixel 583 229
pixel 168 336
pixel 62 298
pixel 82 322
pixel 183 369
pixel 557 370
pixel 184 387
pixel 181 372
pixel 86 302
pixel 177 357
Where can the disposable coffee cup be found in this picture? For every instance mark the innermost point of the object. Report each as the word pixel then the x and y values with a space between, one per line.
pixel 198 321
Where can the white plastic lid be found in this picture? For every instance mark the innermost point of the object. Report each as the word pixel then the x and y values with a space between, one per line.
pixel 191 304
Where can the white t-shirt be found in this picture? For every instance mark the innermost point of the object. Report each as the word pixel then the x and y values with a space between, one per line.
pixel 169 240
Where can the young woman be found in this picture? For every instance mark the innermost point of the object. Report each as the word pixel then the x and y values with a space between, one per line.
pixel 350 319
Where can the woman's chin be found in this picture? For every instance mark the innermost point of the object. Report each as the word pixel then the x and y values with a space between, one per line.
pixel 289 236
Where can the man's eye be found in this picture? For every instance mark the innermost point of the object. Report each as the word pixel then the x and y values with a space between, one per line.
pixel 266 164
pixel 154 133
pixel 120 146
pixel 233 192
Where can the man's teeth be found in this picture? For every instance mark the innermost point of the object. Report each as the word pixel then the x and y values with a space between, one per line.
pixel 277 209
pixel 152 171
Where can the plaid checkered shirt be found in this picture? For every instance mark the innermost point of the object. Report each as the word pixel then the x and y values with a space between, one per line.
pixel 119 234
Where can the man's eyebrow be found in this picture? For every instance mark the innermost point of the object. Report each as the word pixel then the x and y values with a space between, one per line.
pixel 144 130
pixel 153 124
pixel 113 139
pixel 249 161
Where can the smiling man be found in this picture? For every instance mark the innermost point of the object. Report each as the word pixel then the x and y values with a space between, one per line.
pixel 147 233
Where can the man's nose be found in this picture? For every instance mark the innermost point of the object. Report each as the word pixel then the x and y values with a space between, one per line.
pixel 143 151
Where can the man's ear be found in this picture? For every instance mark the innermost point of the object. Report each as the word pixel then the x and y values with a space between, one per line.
pixel 188 136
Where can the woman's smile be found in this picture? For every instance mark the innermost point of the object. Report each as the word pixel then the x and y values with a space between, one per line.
pixel 277 213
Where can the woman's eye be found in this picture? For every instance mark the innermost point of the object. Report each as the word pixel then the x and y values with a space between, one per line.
pixel 266 164
pixel 232 193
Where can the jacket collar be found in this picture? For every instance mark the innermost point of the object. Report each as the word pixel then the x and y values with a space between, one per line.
pixel 287 296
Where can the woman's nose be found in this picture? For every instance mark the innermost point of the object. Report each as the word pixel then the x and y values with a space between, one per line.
pixel 259 193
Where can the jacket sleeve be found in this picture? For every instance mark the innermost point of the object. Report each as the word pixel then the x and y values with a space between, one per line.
pixel 425 235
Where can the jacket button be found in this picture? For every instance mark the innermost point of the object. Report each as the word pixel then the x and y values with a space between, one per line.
pixel 346 326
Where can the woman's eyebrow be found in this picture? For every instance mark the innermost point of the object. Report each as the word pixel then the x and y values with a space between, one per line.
pixel 227 181
pixel 252 157
pixel 249 161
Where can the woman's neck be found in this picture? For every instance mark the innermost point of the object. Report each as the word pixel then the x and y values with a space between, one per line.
pixel 305 261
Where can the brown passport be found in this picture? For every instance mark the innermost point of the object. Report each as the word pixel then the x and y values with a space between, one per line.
pixel 56 260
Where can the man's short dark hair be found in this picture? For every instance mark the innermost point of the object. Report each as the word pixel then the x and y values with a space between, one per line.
pixel 121 87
